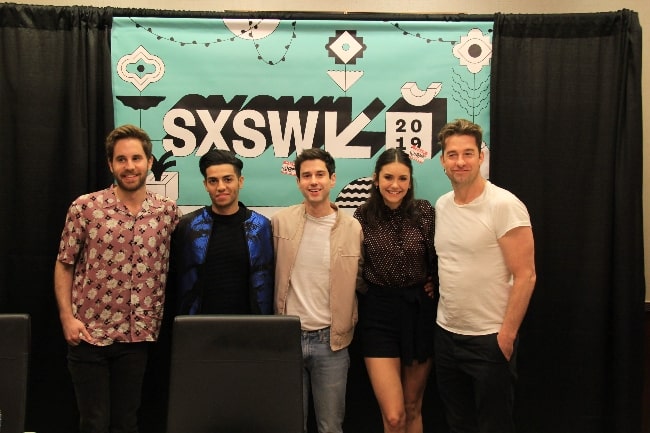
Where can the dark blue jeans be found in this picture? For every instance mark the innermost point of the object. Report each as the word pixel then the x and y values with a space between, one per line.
pixel 108 385
pixel 476 382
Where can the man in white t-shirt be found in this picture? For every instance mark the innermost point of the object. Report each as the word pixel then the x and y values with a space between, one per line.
pixel 486 266
pixel 317 259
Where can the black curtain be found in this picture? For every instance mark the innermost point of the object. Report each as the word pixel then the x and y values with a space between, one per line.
pixel 566 137
pixel 55 110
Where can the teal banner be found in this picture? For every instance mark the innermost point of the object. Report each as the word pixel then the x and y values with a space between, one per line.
pixel 266 89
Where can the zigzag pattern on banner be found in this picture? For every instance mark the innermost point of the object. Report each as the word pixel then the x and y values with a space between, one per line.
pixel 355 193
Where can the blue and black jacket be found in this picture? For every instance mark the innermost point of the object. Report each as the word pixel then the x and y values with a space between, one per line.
pixel 188 254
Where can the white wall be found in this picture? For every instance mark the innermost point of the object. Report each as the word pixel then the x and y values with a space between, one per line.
pixel 436 7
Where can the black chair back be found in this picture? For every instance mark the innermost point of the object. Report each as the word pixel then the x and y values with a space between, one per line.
pixel 233 374
pixel 15 336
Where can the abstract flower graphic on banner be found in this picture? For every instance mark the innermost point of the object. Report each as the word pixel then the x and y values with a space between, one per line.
pixel 142 68
pixel 475 52
pixel 346 47
pixel 136 68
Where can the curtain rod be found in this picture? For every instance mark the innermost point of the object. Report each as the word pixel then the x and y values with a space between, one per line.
pixel 286 15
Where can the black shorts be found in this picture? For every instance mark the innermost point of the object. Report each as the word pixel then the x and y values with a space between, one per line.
pixel 396 323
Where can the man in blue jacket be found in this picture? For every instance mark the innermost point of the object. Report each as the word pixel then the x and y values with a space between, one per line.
pixel 222 254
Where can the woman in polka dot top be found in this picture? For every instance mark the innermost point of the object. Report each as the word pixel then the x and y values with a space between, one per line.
pixel 396 317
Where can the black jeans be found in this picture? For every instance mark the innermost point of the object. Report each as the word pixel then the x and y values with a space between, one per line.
pixel 476 382
pixel 108 385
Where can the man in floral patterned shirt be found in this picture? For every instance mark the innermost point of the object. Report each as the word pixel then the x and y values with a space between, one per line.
pixel 109 281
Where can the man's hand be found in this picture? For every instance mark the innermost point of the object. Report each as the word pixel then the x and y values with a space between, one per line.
pixel 74 331
pixel 429 288
pixel 506 345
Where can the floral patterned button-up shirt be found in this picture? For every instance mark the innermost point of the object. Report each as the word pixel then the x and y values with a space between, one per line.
pixel 121 262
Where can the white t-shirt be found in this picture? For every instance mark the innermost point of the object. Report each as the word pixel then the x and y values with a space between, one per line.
pixel 475 283
pixel 309 286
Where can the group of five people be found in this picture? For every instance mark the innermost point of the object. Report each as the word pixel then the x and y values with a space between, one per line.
pixel 445 287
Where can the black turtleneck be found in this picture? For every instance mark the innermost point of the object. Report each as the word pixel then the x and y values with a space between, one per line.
pixel 226 269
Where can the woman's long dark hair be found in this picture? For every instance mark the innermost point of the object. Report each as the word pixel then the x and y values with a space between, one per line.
pixel 374 209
